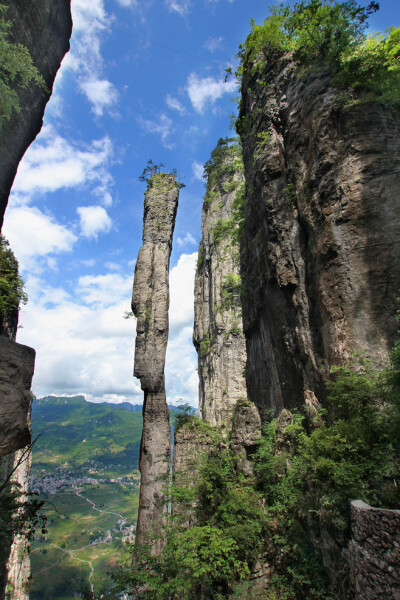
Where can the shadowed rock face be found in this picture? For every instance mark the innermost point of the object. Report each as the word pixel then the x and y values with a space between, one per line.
pixel 44 27
pixel 320 255
pixel 150 302
pixel 16 371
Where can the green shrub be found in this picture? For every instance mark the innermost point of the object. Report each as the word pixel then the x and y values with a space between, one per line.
pixel 16 70
pixel 329 35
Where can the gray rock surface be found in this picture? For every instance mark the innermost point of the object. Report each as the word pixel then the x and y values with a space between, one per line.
pixel 218 330
pixel 16 371
pixel 44 27
pixel 150 302
pixel 19 564
pixel 320 254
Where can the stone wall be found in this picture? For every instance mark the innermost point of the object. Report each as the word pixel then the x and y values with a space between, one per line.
pixel 374 552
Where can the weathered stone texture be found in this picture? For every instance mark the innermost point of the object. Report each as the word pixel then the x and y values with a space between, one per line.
pixel 320 255
pixel 218 330
pixel 374 552
pixel 18 565
pixel 191 444
pixel 44 27
pixel 150 302
pixel 16 371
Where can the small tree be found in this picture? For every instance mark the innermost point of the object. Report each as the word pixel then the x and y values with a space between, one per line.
pixel 150 170
pixel 12 293
pixel 17 70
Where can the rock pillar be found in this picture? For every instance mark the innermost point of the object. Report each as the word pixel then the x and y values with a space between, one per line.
pixel 150 302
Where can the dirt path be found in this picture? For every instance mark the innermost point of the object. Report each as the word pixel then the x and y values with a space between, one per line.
pixel 124 519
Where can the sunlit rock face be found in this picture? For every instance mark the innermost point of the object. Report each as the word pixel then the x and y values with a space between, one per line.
pixel 150 302
pixel 44 27
pixel 320 252
pixel 218 326
pixel 218 329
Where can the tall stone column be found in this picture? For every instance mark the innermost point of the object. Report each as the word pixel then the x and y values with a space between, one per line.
pixel 150 302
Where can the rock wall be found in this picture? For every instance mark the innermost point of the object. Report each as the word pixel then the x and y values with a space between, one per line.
pixel 19 565
pixel 16 371
pixel 218 329
pixel 150 303
pixel 374 552
pixel 44 27
pixel 320 253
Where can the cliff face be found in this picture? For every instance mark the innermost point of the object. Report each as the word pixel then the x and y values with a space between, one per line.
pixel 44 27
pixel 218 326
pixel 16 371
pixel 320 258
pixel 150 302
pixel 218 330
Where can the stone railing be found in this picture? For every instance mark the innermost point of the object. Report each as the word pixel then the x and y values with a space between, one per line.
pixel 374 552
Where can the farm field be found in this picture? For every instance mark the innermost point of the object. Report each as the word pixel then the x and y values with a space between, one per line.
pixel 88 529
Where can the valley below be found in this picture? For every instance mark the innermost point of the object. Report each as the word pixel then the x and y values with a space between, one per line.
pixel 89 482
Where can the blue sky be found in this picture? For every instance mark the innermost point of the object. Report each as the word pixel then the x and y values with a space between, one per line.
pixel 143 79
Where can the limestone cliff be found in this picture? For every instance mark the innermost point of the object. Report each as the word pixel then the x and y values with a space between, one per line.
pixel 320 254
pixel 44 27
pixel 218 331
pixel 218 327
pixel 150 302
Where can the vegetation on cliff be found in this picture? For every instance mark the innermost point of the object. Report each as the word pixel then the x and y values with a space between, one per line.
pixel 12 293
pixel 16 69
pixel 325 35
pixel 306 471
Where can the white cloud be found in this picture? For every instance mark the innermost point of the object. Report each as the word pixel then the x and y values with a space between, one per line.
pixel 101 93
pixel 33 234
pixel 103 289
pixel 87 346
pixel 174 104
pixel 181 360
pixel 188 239
pixel 93 220
pixel 112 266
pixel 163 128
pixel 212 44
pixel 91 23
pixel 198 170
pixel 53 163
pixel 206 91
pixel 179 6
pixel 128 3
pixel 84 348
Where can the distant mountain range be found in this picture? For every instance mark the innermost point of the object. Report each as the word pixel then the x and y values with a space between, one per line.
pixel 74 433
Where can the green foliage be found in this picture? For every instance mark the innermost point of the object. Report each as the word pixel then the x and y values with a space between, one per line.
pixel 12 293
pixel 150 170
pixel 307 483
pixel 318 31
pixel 205 561
pixel 205 345
pixel 225 160
pixel 20 513
pixel 329 35
pixel 373 66
pixel 17 70
pixel 230 291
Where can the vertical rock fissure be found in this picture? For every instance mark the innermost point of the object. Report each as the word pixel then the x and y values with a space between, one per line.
pixel 150 302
